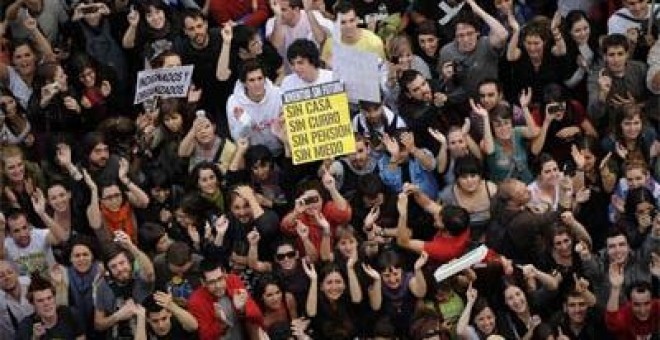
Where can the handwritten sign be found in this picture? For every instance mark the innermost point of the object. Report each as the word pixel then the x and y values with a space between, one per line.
pixel 358 70
pixel 318 122
pixel 163 83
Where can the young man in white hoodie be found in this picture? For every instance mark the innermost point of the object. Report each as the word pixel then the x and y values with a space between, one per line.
pixel 254 107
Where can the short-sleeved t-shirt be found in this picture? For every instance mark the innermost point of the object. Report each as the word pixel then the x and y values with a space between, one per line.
pixel 473 67
pixel 67 326
pixel 109 297
pixel 37 256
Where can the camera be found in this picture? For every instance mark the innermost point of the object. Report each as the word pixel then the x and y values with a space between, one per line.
pixel 200 113
pixel 556 108
pixel 394 59
pixel 310 200
pixel 89 9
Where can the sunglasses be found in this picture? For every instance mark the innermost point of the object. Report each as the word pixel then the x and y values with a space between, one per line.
pixel 283 256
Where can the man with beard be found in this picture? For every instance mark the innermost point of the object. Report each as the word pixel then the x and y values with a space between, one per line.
pixel 14 305
pixel 201 46
pixel 223 307
pixel 118 295
pixel 100 164
pixel 375 119
pixel 580 320
pixel 49 321
pixel 348 170
pixel 161 318
pixel 420 105
pixel 29 247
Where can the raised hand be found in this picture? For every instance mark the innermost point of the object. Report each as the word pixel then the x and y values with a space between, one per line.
pixel 38 201
pixel 123 169
pixel 221 225
pixel 302 230
pixel 164 299
pixel 328 181
pixel 372 273
pixel 242 144
pixel 604 82
pixel 106 88
pixel 581 284
pixel 227 31
pixel 421 260
pixel 478 109
pixel 240 299
pixel 371 217
pixel 309 269
pixel 437 135
pixel 616 275
pixel 402 203
pixel 275 6
pixel 525 97
pixel 133 17
pixel 471 293
pixel 408 140
pixel 578 157
pixel 391 145
pixel 253 237
pixel 63 155
pixel 89 181
pixel 30 23
pixel 621 150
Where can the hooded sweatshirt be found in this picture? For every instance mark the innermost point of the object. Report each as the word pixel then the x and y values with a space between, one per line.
pixel 257 118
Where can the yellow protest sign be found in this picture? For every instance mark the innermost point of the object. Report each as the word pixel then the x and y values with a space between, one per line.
pixel 318 122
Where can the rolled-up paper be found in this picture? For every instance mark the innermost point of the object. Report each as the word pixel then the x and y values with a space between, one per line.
pixel 466 261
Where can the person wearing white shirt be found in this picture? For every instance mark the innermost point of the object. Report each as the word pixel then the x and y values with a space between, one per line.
pixel 294 19
pixel 305 60
pixel 254 107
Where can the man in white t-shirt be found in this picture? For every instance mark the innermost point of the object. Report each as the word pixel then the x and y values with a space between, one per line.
pixel 305 60
pixel 294 19
pixel 30 248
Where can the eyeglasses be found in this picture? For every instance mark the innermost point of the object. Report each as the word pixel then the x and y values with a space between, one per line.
pixel 112 196
pixel 283 256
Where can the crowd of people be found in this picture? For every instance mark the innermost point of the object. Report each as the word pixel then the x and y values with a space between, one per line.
pixel 526 127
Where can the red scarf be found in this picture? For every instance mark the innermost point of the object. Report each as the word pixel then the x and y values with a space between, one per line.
pixel 120 220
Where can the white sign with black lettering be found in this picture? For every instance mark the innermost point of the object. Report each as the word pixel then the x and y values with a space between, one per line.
pixel 163 83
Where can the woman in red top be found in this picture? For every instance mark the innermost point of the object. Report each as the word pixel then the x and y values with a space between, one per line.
pixel 307 218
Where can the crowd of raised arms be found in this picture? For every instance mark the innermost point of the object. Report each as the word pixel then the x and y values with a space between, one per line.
pixel 505 185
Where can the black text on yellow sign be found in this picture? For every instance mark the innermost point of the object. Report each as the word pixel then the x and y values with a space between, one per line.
pixel 318 122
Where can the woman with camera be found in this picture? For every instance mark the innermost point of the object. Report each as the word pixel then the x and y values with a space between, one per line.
pixel 562 122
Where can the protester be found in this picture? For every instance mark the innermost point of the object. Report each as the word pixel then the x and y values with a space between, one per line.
pixel 208 169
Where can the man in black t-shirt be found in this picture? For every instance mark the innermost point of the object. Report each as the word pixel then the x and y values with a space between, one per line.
pixel 48 321
pixel 161 318
pixel 201 46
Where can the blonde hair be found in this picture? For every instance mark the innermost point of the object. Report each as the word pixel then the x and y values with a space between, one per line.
pixel 395 44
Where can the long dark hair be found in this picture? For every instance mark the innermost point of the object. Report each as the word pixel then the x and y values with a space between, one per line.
pixel 571 46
